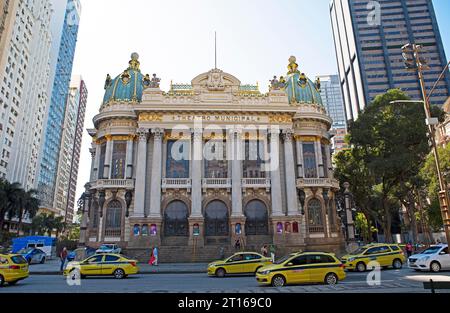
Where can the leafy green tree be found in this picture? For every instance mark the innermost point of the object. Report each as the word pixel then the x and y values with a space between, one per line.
pixel 429 175
pixel 389 145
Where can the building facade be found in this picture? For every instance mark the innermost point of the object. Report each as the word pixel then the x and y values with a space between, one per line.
pixel 368 38
pixel 331 94
pixel 69 156
pixel 24 80
pixel 210 163
pixel 52 141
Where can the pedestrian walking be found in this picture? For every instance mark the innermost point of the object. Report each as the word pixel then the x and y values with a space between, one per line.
pixel 264 250
pixel 409 249
pixel 155 256
pixel 222 253
pixel 237 245
pixel 63 258
pixel 272 253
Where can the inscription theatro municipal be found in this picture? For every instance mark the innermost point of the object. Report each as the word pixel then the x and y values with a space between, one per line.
pixel 217 118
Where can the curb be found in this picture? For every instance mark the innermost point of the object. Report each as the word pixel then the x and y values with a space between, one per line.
pixel 140 273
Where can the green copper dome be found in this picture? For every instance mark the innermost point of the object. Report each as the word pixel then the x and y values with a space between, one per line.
pixel 128 86
pixel 299 88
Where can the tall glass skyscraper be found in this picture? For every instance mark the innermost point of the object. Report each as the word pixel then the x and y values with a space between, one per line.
pixel 331 94
pixel 55 118
pixel 368 37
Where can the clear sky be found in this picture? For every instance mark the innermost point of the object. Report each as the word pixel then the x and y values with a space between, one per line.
pixel 175 39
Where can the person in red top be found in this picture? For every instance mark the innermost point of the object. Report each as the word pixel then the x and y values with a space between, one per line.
pixel 63 257
pixel 409 249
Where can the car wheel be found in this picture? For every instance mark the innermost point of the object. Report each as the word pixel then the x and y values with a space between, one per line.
pixel 220 272
pixel 278 281
pixel 2 280
pixel 43 260
pixel 331 279
pixel 119 273
pixel 361 267
pixel 397 264
pixel 435 267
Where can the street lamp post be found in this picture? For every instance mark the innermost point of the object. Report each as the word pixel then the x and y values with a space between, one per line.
pixel 413 61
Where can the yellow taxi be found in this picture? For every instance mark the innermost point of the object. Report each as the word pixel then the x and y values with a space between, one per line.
pixel 384 254
pixel 302 268
pixel 103 265
pixel 13 267
pixel 238 263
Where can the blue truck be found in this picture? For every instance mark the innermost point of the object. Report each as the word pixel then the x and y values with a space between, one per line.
pixel 46 244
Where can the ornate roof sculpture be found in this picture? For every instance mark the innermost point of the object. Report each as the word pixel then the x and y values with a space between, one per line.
pixel 129 86
pixel 299 88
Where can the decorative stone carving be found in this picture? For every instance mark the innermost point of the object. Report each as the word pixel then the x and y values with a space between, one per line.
pixel 142 133
pixel 158 133
pixel 215 80
pixel 150 117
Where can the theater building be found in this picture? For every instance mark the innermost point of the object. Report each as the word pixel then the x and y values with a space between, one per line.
pixel 209 163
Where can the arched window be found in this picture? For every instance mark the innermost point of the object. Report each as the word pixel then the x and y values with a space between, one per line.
pixel 145 230
pixel 279 228
pixel 295 227
pixel 315 218
pixel 94 215
pixel 136 230
pixel 257 222
pixel 113 219
pixel 287 227
pixel 176 219
pixel 216 219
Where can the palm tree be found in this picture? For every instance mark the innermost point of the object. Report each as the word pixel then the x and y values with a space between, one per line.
pixel 30 206
pixel 14 202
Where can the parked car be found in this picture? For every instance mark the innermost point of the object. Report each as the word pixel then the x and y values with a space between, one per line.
pixel 385 254
pixel 80 254
pixel 301 268
pixel 238 263
pixel 103 264
pixel 109 248
pixel 435 259
pixel 13 267
pixel 33 255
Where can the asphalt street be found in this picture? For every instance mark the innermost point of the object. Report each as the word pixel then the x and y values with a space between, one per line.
pixel 392 281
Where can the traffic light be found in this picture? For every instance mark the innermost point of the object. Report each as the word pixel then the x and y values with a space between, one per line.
pixel 408 57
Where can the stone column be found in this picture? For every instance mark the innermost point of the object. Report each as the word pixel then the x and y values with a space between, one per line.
pixel 291 184
pixel 155 190
pixel 129 159
pixel 330 167
pixel 98 152
pixel 141 170
pixel 108 157
pixel 93 152
pixel 277 209
pixel 196 164
pixel 300 169
pixel 236 173
pixel 319 159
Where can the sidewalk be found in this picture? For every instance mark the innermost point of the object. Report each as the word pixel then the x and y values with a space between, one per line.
pixel 51 267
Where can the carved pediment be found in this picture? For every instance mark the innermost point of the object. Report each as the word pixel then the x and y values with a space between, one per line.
pixel 215 80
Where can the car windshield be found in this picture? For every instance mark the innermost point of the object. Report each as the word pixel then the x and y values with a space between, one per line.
pixel 25 250
pixel 359 250
pixel 431 250
pixel 18 259
pixel 106 247
pixel 283 259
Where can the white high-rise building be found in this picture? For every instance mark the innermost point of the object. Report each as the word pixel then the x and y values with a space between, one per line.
pixel 24 78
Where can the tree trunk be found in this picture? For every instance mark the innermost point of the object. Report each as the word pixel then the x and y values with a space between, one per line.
pixel 412 216
pixel 387 220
